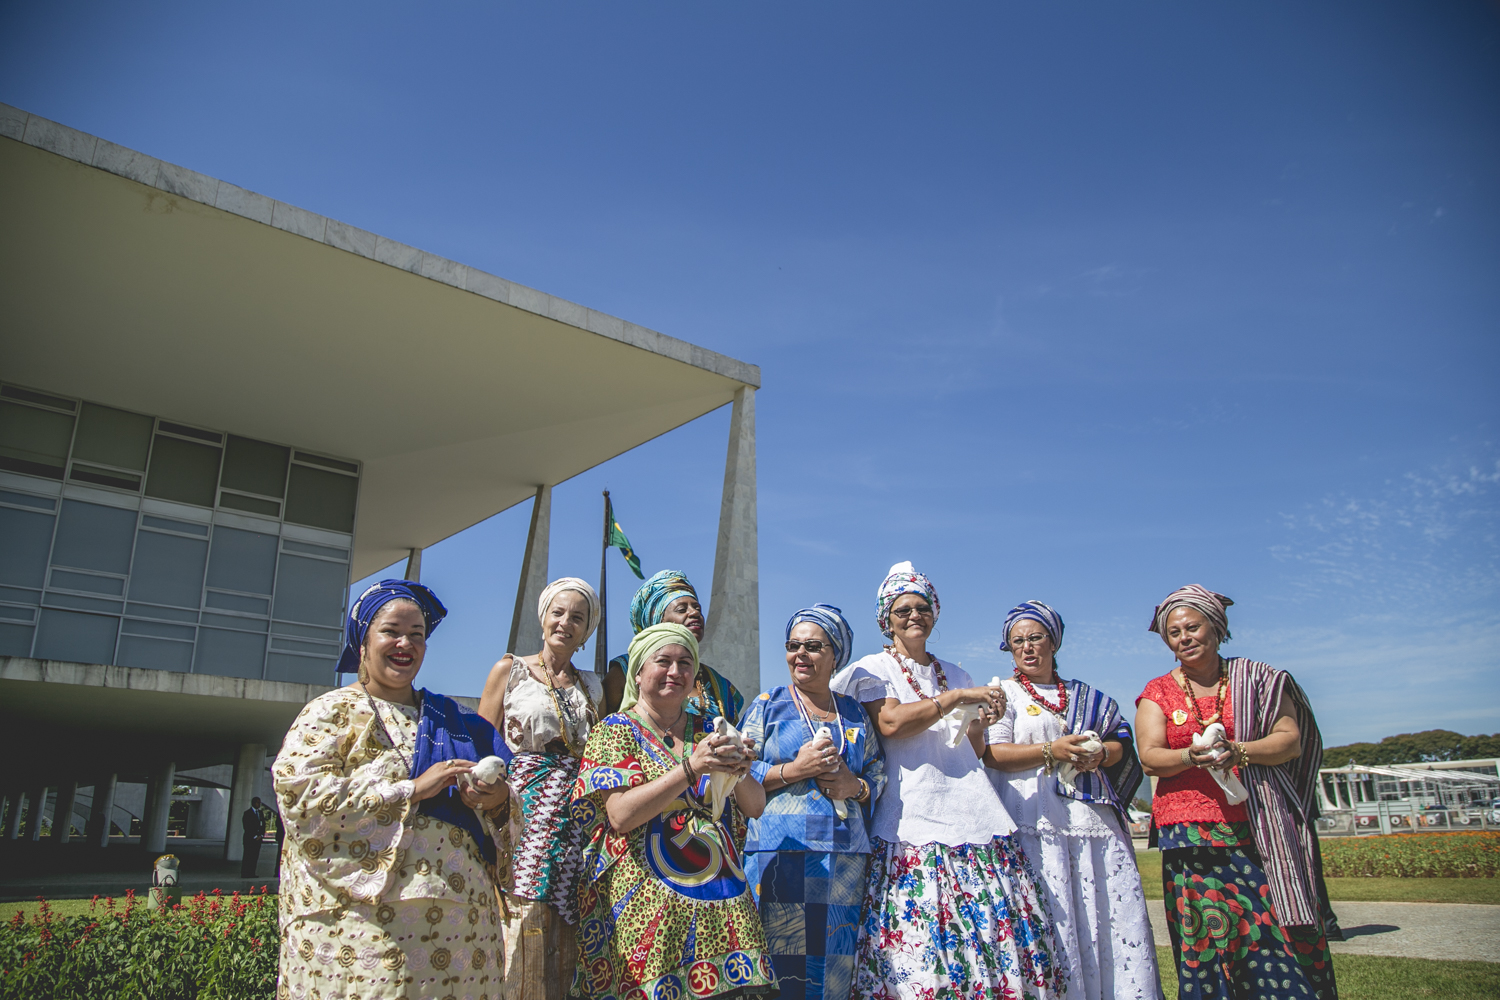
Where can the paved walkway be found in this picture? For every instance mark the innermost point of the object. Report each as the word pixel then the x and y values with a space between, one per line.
pixel 1452 931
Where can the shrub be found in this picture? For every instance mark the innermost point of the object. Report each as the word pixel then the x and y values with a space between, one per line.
pixel 210 948
pixel 1415 855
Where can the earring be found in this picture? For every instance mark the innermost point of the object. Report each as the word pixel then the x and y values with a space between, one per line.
pixel 937 635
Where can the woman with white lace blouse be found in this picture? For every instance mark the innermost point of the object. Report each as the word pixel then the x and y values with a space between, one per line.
pixel 1064 764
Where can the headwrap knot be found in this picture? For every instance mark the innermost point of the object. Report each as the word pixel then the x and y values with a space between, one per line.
pixel 647 641
pixel 655 596
pixel 364 609
pixel 1038 612
pixel 831 620
pixel 1212 606
pixel 902 579
pixel 579 586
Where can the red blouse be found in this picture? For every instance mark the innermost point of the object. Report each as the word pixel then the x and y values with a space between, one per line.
pixel 1192 796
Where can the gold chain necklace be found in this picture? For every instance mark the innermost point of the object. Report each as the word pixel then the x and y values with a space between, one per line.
pixel 565 719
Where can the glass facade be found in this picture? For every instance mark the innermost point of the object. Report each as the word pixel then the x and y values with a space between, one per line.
pixel 131 540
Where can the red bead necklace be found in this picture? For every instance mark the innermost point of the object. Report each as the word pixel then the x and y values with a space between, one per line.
pixel 937 670
pixel 1187 692
pixel 1061 710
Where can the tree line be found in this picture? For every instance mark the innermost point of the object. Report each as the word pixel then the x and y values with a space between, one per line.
pixel 1409 748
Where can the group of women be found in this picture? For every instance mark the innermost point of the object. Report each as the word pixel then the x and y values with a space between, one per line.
pixel 882 828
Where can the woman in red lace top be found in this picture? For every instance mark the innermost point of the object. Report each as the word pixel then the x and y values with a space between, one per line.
pixel 1243 882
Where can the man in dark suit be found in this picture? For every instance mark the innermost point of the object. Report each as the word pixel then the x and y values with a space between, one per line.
pixel 254 824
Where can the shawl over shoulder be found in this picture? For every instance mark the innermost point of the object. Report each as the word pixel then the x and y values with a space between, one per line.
pixel 1283 802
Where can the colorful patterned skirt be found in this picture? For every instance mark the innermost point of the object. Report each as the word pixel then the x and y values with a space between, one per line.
pixel 1226 939
pixel 809 906
pixel 954 922
pixel 672 918
pixel 550 854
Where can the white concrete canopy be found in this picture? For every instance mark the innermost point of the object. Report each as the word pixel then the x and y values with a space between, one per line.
pixel 146 286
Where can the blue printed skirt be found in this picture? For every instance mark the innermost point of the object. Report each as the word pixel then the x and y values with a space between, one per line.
pixel 809 905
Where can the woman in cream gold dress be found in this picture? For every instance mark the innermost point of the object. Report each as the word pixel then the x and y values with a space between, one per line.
pixel 390 871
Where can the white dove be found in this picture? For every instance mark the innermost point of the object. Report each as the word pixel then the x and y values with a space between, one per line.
pixel 1067 772
pixel 486 770
pixel 721 785
pixel 840 806
pixel 1234 791
pixel 955 725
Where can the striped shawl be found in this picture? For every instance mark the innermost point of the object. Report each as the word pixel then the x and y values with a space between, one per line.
pixel 1092 709
pixel 1282 804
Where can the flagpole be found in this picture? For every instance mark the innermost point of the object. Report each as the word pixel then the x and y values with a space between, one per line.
pixel 601 637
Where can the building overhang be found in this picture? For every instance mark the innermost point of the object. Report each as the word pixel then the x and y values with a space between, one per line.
pixel 146 286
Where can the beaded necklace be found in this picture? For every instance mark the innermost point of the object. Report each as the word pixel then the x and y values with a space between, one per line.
pixel 1061 710
pixel 380 721
pixel 1187 693
pixel 564 709
pixel 937 672
pixel 805 712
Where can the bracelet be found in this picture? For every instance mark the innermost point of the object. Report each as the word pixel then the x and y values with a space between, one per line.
pixel 1048 761
pixel 864 792
pixel 1242 752
pixel 1187 756
pixel 687 769
pixel 781 773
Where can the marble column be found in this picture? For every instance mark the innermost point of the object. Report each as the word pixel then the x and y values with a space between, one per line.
pixel 101 810
pixel 62 813
pixel 413 566
pixel 247 770
pixel 525 628
pixel 37 800
pixel 731 637
pixel 158 806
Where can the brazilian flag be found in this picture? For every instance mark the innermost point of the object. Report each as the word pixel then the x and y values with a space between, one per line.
pixel 618 540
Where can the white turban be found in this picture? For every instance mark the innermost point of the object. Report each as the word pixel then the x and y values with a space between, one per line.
pixel 570 583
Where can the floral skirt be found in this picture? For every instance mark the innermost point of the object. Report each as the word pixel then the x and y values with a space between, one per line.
pixel 809 906
pixel 1226 939
pixel 406 948
pixel 954 922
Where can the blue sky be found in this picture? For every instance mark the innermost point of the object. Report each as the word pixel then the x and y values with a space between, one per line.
pixel 1073 302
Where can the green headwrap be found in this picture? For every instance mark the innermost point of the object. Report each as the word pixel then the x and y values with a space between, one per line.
pixel 647 641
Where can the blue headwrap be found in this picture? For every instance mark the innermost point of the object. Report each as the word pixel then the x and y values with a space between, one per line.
pixel 1038 612
pixel 655 596
pixel 364 610
pixel 831 620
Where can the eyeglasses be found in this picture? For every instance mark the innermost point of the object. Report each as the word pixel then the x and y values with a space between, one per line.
pixel 1034 639
pixel 921 610
pixel 813 646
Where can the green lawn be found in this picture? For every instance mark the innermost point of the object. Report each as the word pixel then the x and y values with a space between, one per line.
pixel 1363 890
pixel 1372 977
pixel 62 907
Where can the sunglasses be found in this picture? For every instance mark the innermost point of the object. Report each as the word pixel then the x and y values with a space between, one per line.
pixel 813 646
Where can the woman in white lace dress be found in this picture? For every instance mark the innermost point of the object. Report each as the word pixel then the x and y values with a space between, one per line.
pixel 1068 806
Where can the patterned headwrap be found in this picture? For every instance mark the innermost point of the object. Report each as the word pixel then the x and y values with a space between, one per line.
pixel 831 620
pixel 570 583
pixel 364 610
pixel 902 579
pixel 655 596
pixel 1038 612
pixel 1212 606
pixel 647 641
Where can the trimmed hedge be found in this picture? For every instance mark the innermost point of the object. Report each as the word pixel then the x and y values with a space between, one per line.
pixel 210 948
pixel 1413 855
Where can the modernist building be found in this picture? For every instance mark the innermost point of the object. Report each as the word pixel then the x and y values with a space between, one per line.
pixel 217 409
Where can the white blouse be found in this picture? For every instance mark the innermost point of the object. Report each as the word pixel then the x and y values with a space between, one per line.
pixel 934 793
pixel 1030 795
pixel 531 719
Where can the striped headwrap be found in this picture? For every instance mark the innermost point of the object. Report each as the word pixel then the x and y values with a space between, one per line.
pixel 655 596
pixel 1038 612
pixel 831 620
pixel 363 611
pixel 1212 606
pixel 902 579
pixel 578 586
pixel 647 641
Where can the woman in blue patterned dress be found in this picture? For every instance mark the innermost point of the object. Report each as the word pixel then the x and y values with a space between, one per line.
pixel 806 860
